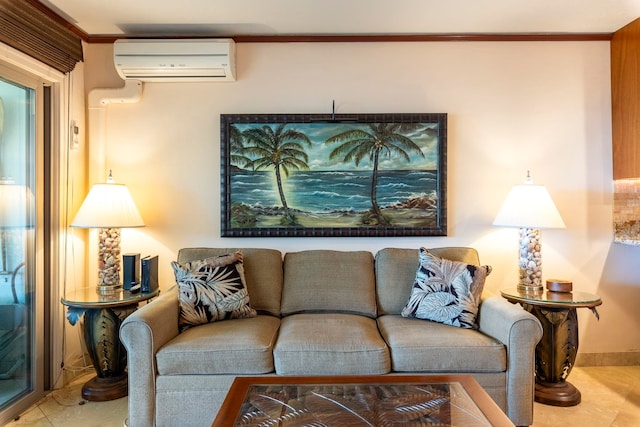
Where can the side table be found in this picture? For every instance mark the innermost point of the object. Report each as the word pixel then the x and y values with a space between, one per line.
pixel 103 315
pixel 556 352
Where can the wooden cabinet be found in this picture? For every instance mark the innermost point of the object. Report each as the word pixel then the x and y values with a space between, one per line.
pixel 625 101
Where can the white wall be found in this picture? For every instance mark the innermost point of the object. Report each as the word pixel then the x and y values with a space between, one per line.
pixel 73 169
pixel 512 107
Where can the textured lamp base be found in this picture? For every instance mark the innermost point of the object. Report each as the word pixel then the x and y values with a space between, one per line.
pixel 530 290
pixel 108 261
pixel 530 261
pixel 108 289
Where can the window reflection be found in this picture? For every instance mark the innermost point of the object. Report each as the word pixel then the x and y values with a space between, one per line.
pixel 16 240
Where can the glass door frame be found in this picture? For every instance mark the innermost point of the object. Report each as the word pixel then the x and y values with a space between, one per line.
pixel 50 147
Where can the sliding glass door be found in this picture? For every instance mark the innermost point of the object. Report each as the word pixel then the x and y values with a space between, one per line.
pixel 21 258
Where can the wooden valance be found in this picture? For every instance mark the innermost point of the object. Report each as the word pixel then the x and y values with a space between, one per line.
pixel 30 27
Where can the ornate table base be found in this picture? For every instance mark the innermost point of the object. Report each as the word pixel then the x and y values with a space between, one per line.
pixel 103 389
pixel 557 350
pixel 555 355
pixel 559 394
pixel 109 357
pixel 103 315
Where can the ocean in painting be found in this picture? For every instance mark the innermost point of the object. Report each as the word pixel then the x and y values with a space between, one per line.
pixel 331 191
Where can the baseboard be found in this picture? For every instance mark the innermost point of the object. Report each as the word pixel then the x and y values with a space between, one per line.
pixel 608 359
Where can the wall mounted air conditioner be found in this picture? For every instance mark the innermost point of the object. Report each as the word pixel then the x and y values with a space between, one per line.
pixel 158 60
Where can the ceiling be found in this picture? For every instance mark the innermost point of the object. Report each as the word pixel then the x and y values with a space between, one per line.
pixel 139 18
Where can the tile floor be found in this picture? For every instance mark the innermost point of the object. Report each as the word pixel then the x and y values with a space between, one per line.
pixel 610 398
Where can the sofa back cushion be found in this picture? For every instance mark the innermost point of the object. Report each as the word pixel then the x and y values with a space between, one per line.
pixel 262 271
pixel 396 271
pixel 318 281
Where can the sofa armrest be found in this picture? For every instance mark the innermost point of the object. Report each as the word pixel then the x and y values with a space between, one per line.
pixel 143 333
pixel 520 332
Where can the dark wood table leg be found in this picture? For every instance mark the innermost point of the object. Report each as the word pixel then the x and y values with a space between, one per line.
pixel 555 355
pixel 109 357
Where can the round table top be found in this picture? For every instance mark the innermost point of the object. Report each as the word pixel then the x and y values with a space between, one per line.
pixel 89 297
pixel 548 298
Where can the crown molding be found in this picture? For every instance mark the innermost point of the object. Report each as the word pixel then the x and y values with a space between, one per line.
pixel 374 38
pixel 340 38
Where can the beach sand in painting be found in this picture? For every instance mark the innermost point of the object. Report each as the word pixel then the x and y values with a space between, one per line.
pixel 397 217
pixel 418 212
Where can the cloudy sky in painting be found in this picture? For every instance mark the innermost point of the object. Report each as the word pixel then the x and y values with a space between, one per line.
pixel 425 137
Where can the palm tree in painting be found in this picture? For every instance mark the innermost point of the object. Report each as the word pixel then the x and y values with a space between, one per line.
pixel 236 145
pixel 380 139
pixel 281 149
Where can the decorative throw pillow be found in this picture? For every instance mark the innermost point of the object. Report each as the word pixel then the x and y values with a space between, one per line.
pixel 446 291
pixel 212 289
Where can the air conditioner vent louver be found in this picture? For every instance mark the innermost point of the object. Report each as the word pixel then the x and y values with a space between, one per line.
pixel 175 60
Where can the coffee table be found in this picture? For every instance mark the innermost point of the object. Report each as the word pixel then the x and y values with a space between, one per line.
pixel 388 400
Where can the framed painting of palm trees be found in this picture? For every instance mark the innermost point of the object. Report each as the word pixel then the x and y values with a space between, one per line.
pixel 311 175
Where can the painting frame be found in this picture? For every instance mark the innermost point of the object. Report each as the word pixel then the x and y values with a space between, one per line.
pixel 247 144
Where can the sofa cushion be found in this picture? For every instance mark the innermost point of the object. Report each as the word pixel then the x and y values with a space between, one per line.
pixel 446 291
pixel 329 281
pixel 212 289
pixel 330 344
pixel 396 270
pixel 238 346
pixel 262 270
pixel 419 346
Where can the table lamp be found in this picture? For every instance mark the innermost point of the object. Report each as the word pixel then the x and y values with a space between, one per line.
pixel 108 207
pixel 529 207
pixel 15 208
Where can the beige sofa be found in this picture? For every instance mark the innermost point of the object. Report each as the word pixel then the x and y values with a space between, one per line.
pixel 321 312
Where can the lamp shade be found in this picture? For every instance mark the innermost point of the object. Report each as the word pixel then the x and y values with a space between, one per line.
pixel 15 201
pixel 108 205
pixel 529 205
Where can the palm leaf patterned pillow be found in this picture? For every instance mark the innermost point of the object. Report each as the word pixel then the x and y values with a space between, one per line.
pixel 446 291
pixel 211 290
